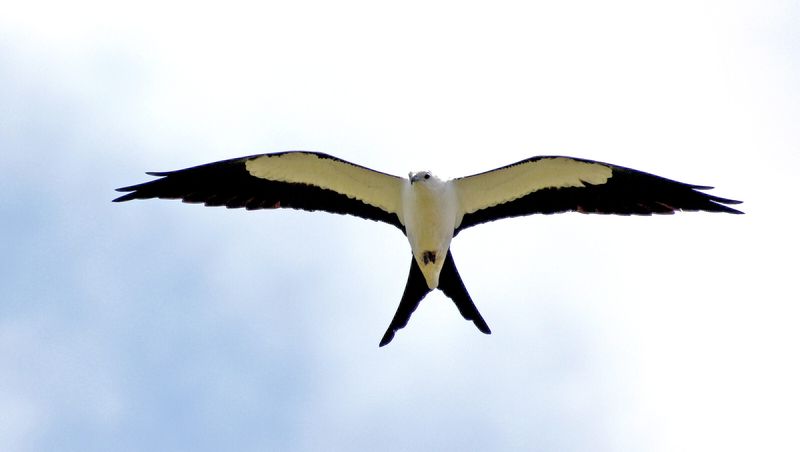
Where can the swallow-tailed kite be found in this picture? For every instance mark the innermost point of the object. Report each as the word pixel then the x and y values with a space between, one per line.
pixel 428 210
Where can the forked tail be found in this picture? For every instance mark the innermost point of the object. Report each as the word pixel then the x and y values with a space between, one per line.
pixel 416 288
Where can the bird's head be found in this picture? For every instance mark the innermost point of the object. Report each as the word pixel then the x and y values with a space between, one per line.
pixel 419 176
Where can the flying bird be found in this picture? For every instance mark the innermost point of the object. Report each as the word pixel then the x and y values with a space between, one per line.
pixel 428 210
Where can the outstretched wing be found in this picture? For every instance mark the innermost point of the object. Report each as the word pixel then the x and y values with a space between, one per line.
pixel 552 184
pixel 297 180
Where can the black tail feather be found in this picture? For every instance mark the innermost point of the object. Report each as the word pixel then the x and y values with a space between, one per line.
pixel 450 283
pixel 416 289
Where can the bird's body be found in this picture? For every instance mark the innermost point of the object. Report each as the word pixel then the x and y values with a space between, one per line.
pixel 428 210
pixel 429 213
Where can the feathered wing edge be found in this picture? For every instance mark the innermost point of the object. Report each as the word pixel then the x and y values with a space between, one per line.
pixel 585 186
pixel 229 183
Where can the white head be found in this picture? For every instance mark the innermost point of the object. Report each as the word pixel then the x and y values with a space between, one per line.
pixel 419 176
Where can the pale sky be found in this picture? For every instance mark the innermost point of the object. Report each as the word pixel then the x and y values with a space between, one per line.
pixel 160 326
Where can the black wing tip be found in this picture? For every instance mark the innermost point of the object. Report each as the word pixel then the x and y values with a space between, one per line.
pixel 130 193
pixel 713 206
pixel 702 201
pixel 133 191
pixel 726 209
pixel 717 203
pixel 123 198
pixel 714 198
pixel 133 195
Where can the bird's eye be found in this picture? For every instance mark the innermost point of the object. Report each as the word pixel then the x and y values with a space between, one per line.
pixel 427 176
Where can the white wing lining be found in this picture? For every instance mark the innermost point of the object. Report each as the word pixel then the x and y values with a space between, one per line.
pixel 511 182
pixel 366 185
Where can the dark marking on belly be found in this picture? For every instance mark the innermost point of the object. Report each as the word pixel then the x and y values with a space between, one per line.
pixel 428 257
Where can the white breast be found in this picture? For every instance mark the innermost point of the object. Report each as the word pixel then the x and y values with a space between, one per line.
pixel 429 208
